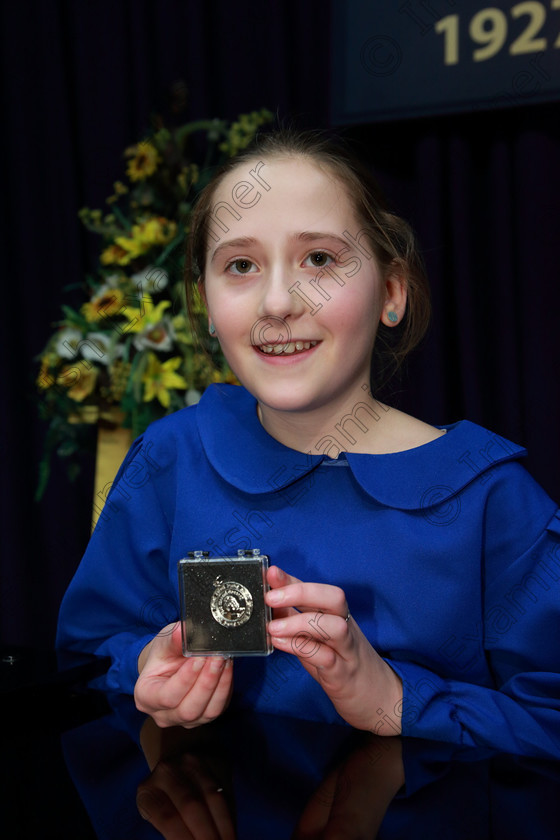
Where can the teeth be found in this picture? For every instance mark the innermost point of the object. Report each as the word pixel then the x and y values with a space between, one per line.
pixel 287 349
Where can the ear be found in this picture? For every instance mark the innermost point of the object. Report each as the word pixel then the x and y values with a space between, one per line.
pixel 394 305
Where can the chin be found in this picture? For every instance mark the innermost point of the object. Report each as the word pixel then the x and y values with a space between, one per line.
pixel 289 402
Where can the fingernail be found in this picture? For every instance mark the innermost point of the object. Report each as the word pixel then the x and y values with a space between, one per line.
pixel 198 663
pixel 217 664
pixel 275 596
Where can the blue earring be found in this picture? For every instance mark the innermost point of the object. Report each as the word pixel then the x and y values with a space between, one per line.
pixel 212 329
pixel 392 316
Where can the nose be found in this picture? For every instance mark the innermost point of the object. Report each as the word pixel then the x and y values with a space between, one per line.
pixel 278 298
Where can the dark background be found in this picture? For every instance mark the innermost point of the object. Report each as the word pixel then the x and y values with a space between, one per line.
pixel 79 82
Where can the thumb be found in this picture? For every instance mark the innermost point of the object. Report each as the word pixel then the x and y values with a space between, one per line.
pixel 169 640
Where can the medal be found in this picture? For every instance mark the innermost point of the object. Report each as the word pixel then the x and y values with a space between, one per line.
pixel 231 604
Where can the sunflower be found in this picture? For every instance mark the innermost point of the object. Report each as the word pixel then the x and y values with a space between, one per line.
pixel 106 303
pixel 144 161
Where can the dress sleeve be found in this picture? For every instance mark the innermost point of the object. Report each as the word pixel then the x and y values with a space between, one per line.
pixel 519 711
pixel 121 595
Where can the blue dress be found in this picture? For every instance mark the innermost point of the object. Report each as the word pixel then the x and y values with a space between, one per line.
pixel 449 555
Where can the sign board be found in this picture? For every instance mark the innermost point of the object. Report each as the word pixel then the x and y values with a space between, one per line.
pixel 406 58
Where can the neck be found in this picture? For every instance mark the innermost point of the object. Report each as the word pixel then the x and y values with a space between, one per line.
pixel 352 426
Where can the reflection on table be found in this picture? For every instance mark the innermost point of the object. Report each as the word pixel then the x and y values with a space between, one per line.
pixel 260 777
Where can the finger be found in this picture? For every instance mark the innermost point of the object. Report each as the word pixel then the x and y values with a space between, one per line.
pixel 312 654
pixel 278 577
pixel 167 690
pixel 221 814
pixel 314 818
pixel 213 796
pixel 308 597
pixel 194 706
pixel 362 797
pixel 161 696
pixel 155 806
pixel 180 783
pixel 324 627
pixel 222 693
pixel 204 704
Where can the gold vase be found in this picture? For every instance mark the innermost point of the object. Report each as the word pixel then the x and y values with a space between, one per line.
pixel 113 442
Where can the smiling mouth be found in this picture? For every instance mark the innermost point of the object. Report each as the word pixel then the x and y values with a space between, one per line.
pixel 289 349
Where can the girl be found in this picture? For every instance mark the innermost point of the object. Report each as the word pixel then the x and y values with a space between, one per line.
pixel 415 590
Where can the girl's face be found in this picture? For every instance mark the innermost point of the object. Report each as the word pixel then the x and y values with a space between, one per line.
pixel 294 300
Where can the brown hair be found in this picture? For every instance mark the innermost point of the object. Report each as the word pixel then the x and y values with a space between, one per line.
pixel 392 239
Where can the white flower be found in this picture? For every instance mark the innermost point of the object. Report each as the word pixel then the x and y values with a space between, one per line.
pixel 192 396
pixel 67 342
pixel 98 347
pixel 150 280
pixel 158 336
pixel 112 281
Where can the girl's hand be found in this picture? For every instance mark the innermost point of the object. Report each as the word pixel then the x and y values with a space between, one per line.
pixel 357 793
pixel 179 691
pixel 310 622
pixel 182 799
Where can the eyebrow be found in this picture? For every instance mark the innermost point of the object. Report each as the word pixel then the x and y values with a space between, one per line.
pixel 242 242
pixel 313 235
pixel 305 236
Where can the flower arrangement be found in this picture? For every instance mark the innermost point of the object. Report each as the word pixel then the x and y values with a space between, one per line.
pixel 128 355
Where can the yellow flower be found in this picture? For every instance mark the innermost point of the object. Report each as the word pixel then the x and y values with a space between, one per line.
pixel 154 231
pixel 148 315
pixel 160 377
pixel 115 254
pixel 144 162
pixel 80 379
pixel 131 247
pixel 109 302
pixel 45 379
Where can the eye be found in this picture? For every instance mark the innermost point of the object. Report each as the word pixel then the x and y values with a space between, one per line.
pixel 318 259
pixel 240 266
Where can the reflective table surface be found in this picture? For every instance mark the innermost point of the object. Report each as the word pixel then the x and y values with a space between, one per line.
pixel 79 764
